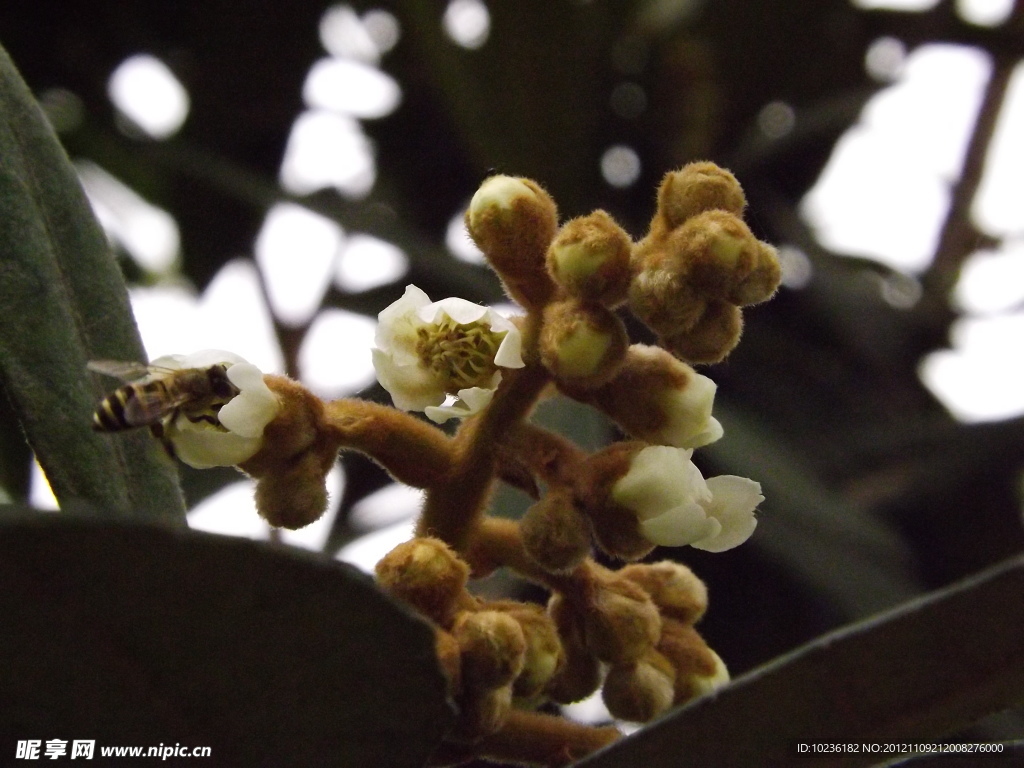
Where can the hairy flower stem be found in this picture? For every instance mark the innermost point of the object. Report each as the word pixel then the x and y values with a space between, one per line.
pixel 498 542
pixel 554 458
pixel 454 506
pixel 540 739
pixel 414 452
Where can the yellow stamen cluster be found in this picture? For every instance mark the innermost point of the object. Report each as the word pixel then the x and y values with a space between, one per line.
pixel 462 356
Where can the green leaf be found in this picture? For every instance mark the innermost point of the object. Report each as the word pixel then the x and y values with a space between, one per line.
pixel 62 303
pixel 914 674
pixel 137 634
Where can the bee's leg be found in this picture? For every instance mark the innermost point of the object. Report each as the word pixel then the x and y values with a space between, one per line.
pixel 157 430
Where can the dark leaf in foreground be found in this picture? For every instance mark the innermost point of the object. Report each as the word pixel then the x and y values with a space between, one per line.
pixel 146 636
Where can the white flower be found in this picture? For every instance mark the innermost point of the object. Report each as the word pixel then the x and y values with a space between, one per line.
pixel 222 434
pixel 429 351
pixel 688 419
pixel 677 506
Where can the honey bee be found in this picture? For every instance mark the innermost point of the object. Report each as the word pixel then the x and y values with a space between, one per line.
pixel 196 393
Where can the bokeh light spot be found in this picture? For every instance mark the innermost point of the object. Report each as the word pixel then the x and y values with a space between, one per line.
pixel 145 91
pixel 467 23
pixel 620 166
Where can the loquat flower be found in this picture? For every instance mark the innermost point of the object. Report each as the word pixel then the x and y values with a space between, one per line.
pixel 427 352
pixel 659 399
pixel 676 506
pixel 229 433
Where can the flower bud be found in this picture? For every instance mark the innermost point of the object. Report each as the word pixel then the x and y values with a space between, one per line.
pixel 693 189
pixel 297 496
pixel 712 338
pixel 589 258
pixel 699 670
pixel 513 220
pixel 673 587
pixel 621 623
pixel 493 648
pixel 640 691
pixel 582 344
pixel 556 534
pixel 426 574
pixel 543 655
pixel 659 399
pixel 761 284
pixel 482 712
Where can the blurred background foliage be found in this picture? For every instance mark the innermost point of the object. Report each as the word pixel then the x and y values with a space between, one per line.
pixel 874 492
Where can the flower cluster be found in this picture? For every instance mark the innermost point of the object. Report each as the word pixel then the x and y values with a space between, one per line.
pixel 630 632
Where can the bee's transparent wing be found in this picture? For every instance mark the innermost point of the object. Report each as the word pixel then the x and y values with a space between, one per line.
pixel 123 370
pixel 146 407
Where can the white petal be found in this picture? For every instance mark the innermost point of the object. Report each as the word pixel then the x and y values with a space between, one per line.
pixel 660 478
pixel 412 387
pixel 202 446
pixel 476 398
pixel 461 311
pixel 688 420
pixel 246 376
pixel 401 313
pixel 733 502
pixel 509 354
pixel 713 431
pixel 209 357
pixel 680 526
pixel 469 401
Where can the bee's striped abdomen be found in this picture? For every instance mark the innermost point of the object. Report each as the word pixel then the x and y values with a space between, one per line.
pixel 109 416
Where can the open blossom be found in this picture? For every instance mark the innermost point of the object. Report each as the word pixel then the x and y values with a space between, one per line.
pixel 677 506
pixel 229 433
pixel 428 353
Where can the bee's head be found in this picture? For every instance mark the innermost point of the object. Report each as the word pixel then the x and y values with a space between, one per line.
pixel 220 383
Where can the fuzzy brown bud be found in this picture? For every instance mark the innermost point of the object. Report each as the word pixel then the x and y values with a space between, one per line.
pixel 292 464
pixel 712 338
pixel 582 343
pixel 482 712
pixel 513 221
pixel 673 587
pixel 543 656
pixel 425 573
pixel 493 648
pixel 761 284
pixel 589 258
pixel 295 497
pixel 621 623
pixel 556 534
pixel 699 670
pixel 640 691
pixel 693 189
